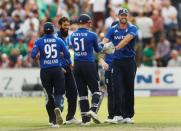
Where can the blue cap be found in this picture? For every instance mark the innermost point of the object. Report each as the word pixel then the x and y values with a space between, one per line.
pixel 48 27
pixel 84 18
pixel 123 11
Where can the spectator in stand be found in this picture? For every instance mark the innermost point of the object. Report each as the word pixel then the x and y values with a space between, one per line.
pixel 19 62
pixel 6 46
pixel 100 28
pixel 19 11
pixel 4 61
pixel 27 24
pixel 22 46
pixel 172 36
pixel 31 31
pixel 169 14
pixel 177 45
pixel 62 9
pixel 152 5
pixel 13 58
pixel 5 20
pixel 136 6
pixel 162 52
pixel 98 9
pixel 157 25
pixel 148 55
pixel 31 42
pixel 145 24
pixel 72 9
pixel 85 7
pixel 116 5
pixel 8 31
pixel 30 6
pixel 175 60
pixel 16 25
pixel 109 20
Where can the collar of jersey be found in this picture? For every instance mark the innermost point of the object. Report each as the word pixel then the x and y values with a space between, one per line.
pixel 117 27
pixel 51 35
pixel 82 29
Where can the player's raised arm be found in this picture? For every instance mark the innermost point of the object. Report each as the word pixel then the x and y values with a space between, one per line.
pixel 131 34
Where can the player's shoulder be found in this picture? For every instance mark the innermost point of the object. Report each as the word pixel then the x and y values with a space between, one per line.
pixel 92 33
pixel 73 33
pixel 132 26
pixel 39 40
pixel 58 39
pixel 114 28
pixel 56 34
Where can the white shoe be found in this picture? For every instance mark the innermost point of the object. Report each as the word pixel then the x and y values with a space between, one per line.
pixel 94 117
pixel 50 123
pixel 86 123
pixel 111 121
pixel 59 119
pixel 118 119
pixel 72 121
pixel 55 126
pixel 128 121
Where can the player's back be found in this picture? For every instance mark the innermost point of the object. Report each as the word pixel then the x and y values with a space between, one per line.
pixel 84 43
pixel 50 48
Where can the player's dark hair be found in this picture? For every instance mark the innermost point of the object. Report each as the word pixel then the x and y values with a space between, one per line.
pixel 62 20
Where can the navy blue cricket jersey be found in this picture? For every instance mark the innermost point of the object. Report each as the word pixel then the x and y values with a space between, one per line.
pixel 116 34
pixel 84 42
pixel 64 62
pixel 50 47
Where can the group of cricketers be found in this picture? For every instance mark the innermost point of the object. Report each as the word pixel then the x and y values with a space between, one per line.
pixel 60 76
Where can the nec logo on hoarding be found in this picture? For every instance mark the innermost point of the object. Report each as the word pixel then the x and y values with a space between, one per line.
pixel 155 78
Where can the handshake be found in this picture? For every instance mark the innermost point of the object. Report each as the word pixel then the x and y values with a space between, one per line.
pixel 108 48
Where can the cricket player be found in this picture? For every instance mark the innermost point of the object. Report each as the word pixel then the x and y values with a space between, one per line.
pixel 84 42
pixel 51 74
pixel 124 37
pixel 70 84
pixel 105 59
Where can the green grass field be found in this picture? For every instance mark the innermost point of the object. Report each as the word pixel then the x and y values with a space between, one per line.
pixel 152 113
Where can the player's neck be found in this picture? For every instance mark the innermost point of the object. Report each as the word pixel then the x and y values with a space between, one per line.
pixel 123 26
pixel 83 26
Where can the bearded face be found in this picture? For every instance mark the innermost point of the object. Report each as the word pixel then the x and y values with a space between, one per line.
pixel 64 28
pixel 123 18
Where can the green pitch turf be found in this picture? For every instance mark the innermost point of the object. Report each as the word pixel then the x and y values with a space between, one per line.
pixel 152 113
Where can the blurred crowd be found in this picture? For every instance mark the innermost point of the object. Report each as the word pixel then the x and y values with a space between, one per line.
pixel 21 23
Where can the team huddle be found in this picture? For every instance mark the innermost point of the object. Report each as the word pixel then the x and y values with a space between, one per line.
pixel 59 76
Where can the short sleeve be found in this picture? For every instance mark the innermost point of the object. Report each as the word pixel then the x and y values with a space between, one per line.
pixel 109 34
pixel 133 31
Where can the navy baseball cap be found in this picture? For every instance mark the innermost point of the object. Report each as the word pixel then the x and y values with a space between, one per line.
pixel 123 11
pixel 48 27
pixel 84 18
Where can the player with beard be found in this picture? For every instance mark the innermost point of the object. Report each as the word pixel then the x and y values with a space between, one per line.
pixel 70 85
pixel 124 37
